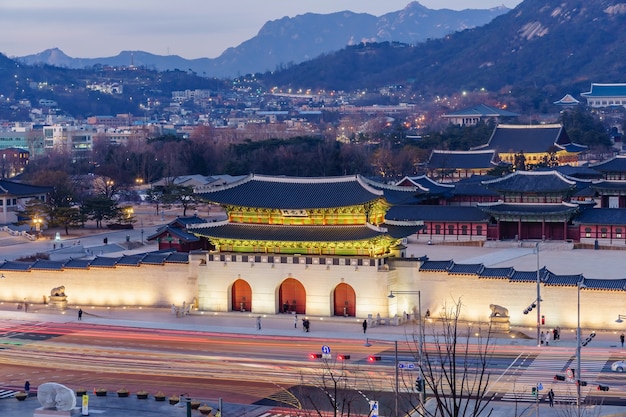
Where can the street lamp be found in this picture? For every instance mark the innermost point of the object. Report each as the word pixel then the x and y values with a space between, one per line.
pixel 395 343
pixel 580 284
pixel 538 299
pixel 620 318
pixel 421 336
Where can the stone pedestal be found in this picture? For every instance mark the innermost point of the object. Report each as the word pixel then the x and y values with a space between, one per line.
pixel 58 302
pixel 45 412
pixel 500 324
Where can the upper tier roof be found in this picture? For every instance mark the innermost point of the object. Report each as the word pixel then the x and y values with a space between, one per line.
pixel 528 138
pixel 615 164
pixel 531 182
pixel 302 193
pixel 462 159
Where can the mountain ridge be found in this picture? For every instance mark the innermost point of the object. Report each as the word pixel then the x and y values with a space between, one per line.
pixel 287 41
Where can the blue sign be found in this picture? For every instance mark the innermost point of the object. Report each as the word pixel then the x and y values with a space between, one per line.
pixel 326 349
pixel 540 387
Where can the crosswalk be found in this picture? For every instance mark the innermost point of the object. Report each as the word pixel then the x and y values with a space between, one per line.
pixel 564 392
pixel 7 393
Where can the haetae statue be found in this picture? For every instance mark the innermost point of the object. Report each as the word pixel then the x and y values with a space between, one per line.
pixel 54 396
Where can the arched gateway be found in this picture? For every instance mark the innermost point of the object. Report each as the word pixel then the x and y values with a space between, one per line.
pixel 292 297
pixel 344 301
pixel 241 296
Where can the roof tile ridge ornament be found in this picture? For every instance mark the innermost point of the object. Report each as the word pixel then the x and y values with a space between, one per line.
pixel 490 204
pixel 306 180
pixel 546 126
pixel 404 222
pixel 471 151
pixel 394 187
pixel 210 224
pixel 367 186
pixel 427 178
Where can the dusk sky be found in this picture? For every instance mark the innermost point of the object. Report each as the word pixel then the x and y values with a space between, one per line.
pixel 189 28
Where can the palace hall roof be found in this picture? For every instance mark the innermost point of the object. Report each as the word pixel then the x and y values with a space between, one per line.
pixel 284 233
pixel 474 186
pixel 602 216
pixel 606 90
pixel 425 183
pixel 523 209
pixel 480 110
pixel 526 138
pixel 581 172
pixel 17 189
pixel 294 192
pixel 437 213
pixel 615 164
pixel 609 185
pixel 461 159
pixel 531 182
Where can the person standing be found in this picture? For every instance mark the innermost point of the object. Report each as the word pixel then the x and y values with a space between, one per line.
pixel 80 314
pixel 295 321
pixel 551 397
pixel 27 387
pixel 621 339
pixel 543 338
pixel 364 326
pixel 548 336
pixel 258 323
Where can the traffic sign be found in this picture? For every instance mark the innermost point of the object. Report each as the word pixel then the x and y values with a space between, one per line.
pixel 540 386
pixel 407 365
pixel 326 349
pixel 373 408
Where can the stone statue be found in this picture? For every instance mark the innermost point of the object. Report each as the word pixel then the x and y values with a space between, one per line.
pixel 53 396
pixel 58 291
pixel 498 311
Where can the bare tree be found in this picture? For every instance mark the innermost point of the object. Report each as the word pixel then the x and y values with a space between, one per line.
pixel 455 367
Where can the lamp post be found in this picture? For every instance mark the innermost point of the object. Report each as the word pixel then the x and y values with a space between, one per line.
pixel 397 375
pixel 421 335
pixel 538 299
pixel 580 284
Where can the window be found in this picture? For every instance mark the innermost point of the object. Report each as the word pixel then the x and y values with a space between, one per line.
pixel 464 229
pixel 603 232
pixel 479 230
pixel 437 229
pixel 587 231
pixel 618 232
pixel 450 229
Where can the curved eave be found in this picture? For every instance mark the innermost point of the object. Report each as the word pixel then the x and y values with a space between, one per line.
pixel 281 233
pixel 279 193
pixel 500 209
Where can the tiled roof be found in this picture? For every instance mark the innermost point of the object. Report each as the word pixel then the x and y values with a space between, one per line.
pixel 156 258
pixel 481 110
pixel 175 232
pixel 578 171
pixel 177 258
pixel 531 182
pixel 528 209
pixel 461 159
pixel 130 260
pixel 183 221
pixel 18 189
pixel 615 164
pixel 103 262
pixel 530 277
pixel 294 193
pixel 473 188
pixel 602 216
pixel 433 187
pixel 606 90
pixel 77 264
pixel 437 213
pixel 15 266
pixel 263 232
pixel 44 264
pixel 563 280
pixel 499 273
pixel 526 138
pixel 609 185
pixel 436 265
pixel 465 269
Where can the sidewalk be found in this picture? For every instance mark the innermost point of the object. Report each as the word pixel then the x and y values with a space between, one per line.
pixel 322 328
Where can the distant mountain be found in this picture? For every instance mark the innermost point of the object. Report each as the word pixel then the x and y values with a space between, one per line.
pixel 554 46
pixel 287 41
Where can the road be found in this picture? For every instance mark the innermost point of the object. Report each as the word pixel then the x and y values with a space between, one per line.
pixel 257 369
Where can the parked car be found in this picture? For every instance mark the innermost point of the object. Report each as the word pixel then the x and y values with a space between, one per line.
pixel 618 366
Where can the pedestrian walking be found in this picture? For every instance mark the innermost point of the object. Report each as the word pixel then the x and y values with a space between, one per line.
pixel 27 387
pixel 548 337
pixel 364 326
pixel 295 321
pixel 621 339
pixel 542 338
pixel 258 323
pixel 80 314
pixel 307 325
pixel 304 325
pixel 551 397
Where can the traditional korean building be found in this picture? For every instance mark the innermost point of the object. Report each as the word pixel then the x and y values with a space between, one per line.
pixel 174 235
pixel 15 195
pixel 606 95
pixel 282 231
pixel 533 205
pixel 449 166
pixel 536 142
pixel 479 113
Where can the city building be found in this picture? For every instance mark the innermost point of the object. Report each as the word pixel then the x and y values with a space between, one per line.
pixel 606 95
pixel 479 113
